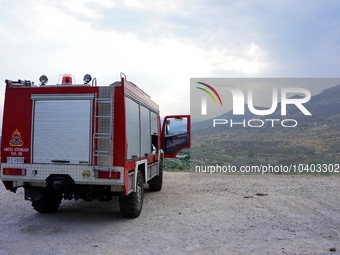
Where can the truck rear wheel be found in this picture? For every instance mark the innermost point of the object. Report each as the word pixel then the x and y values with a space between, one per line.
pixel 131 205
pixel 49 202
pixel 156 183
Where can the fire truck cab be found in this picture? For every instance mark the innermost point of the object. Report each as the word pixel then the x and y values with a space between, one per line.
pixel 86 141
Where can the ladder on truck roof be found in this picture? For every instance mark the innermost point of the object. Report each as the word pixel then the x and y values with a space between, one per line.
pixel 103 133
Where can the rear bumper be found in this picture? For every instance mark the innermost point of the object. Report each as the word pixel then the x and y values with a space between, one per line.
pixel 81 174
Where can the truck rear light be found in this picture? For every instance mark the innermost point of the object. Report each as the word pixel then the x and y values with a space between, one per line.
pixel 14 171
pixel 106 175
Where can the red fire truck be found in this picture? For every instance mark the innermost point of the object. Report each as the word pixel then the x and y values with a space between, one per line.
pixel 86 141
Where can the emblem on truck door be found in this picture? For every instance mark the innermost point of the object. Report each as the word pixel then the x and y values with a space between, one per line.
pixel 16 139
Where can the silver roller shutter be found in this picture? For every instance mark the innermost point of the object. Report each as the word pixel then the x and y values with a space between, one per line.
pixel 132 129
pixel 145 131
pixel 61 131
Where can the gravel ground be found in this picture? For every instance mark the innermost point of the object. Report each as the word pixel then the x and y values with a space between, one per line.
pixel 193 214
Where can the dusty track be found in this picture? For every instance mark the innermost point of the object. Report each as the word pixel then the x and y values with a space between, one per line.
pixel 193 214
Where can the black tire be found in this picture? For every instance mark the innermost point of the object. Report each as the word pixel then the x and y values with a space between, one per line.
pixel 49 202
pixel 132 204
pixel 156 183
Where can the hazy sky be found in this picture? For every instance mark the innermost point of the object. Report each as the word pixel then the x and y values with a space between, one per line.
pixel 159 45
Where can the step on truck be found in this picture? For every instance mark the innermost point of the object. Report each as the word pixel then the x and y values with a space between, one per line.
pixel 71 141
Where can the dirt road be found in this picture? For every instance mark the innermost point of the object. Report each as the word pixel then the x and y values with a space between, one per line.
pixel 193 214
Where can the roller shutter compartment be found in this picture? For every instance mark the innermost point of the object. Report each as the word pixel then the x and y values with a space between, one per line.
pixel 61 131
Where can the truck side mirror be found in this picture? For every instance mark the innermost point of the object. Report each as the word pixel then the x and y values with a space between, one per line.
pixel 167 127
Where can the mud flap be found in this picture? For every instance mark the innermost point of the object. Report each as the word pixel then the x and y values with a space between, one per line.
pixel 33 193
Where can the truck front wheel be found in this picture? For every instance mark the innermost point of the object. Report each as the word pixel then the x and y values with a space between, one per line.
pixel 49 202
pixel 131 205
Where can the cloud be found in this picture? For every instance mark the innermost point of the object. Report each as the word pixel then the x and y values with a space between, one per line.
pixel 53 42
pixel 250 60
pixel 160 45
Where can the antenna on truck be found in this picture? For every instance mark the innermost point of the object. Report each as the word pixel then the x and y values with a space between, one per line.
pixel 122 74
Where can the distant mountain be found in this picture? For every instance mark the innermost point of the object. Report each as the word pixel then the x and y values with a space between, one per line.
pixel 201 125
pixel 324 107
pixel 315 140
